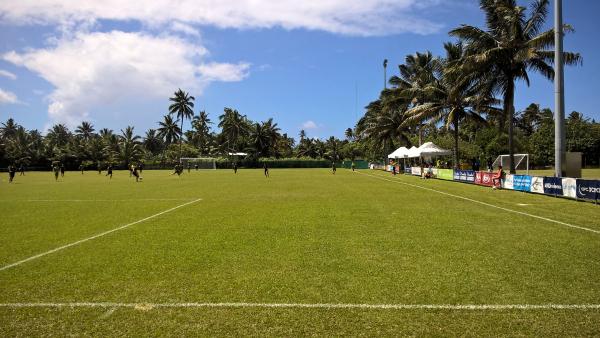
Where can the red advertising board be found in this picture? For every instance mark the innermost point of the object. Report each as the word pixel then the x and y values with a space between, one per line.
pixel 484 178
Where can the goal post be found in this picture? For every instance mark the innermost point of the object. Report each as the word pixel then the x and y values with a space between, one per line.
pixel 521 162
pixel 199 162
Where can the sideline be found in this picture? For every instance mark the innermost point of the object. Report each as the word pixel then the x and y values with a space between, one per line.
pixel 96 236
pixel 482 203
pixel 150 306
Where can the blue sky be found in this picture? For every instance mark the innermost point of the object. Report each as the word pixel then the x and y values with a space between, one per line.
pixel 312 66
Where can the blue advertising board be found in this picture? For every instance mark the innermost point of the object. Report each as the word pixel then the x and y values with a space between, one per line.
pixel 588 189
pixel 521 182
pixel 464 176
pixel 407 170
pixel 553 186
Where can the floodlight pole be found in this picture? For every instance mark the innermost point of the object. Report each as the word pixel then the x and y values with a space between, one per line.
pixel 559 95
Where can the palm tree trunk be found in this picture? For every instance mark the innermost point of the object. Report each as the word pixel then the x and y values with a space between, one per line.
pixel 180 139
pixel 456 166
pixel 509 112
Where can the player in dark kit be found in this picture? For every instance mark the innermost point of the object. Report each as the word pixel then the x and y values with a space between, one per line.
pixel 62 170
pixel 189 167
pixel 109 171
pixel 81 168
pixel 55 170
pixel 135 173
pixel 235 167
pixel 11 173
pixel 353 166
pixel 140 167
pixel 21 170
pixel 266 167
pixel 333 168
pixel 196 166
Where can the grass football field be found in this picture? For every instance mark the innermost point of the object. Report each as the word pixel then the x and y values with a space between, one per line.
pixel 303 252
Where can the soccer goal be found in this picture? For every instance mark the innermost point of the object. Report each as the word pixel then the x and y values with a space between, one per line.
pixel 199 162
pixel 521 162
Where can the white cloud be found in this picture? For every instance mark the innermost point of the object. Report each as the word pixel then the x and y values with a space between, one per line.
pixel 359 17
pixel 7 74
pixel 89 70
pixel 184 28
pixel 308 125
pixel 8 97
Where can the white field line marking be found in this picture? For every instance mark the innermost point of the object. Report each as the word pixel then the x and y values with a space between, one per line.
pixel 110 200
pixel 149 306
pixel 484 203
pixel 96 236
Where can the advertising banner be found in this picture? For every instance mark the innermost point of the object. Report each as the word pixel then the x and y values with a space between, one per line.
pixel 416 171
pixel 588 189
pixel 464 176
pixel 407 170
pixel 484 178
pixel 537 185
pixel 434 171
pixel 521 182
pixel 569 187
pixel 507 182
pixel 553 186
pixel 445 174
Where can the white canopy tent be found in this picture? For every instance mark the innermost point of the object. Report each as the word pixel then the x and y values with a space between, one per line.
pixel 399 153
pixel 238 154
pixel 413 152
pixel 429 149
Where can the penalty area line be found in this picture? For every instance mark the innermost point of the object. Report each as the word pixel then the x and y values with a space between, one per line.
pixel 96 236
pixel 483 203
pixel 452 307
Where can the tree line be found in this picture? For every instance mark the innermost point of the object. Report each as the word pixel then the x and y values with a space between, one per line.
pixel 467 95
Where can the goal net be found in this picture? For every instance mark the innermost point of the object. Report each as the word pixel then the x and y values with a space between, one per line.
pixel 521 162
pixel 199 162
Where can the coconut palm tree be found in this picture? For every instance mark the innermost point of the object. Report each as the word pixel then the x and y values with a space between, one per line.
pixel 8 129
pixel 509 47
pixel 183 108
pixel 152 142
pixel 234 127
pixel 168 130
pixel 201 125
pixel 130 149
pixel 452 98
pixel 85 130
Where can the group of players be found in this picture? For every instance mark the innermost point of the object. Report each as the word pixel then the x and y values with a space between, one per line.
pixel 135 170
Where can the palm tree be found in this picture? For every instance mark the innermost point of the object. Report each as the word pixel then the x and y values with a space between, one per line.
pixel 452 98
pixel 183 108
pixel 152 142
pixel 511 45
pixel 349 133
pixel 8 129
pixel 201 125
pixel 85 130
pixel 129 146
pixel 168 130
pixel 418 72
pixel 234 126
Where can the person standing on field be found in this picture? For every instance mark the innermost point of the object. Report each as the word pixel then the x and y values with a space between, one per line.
pixel 235 167
pixel 353 166
pixel 11 173
pixel 333 168
pixel 266 168
pixel 109 171
pixel 55 170
pixel 21 170
pixel 62 170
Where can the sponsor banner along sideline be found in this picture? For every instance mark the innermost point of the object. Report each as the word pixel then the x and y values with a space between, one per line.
pixel 464 176
pixel 416 171
pixel 407 170
pixel 445 174
pixel 569 187
pixel 537 185
pixel 507 182
pixel 588 189
pixel 434 171
pixel 484 178
pixel 553 186
pixel 521 182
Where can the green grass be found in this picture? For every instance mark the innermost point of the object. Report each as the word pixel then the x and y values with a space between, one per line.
pixel 301 236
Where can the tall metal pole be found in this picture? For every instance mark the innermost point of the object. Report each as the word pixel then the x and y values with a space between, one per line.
pixel 559 95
